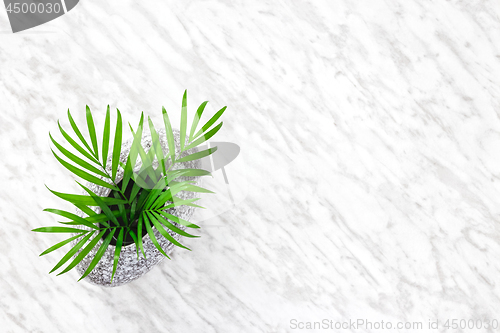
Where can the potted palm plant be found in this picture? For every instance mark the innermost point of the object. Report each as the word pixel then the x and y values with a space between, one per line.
pixel 138 198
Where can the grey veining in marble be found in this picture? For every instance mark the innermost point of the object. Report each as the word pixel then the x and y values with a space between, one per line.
pixel 131 267
pixel 370 145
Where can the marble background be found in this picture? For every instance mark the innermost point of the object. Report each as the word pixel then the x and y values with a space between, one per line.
pixel 370 137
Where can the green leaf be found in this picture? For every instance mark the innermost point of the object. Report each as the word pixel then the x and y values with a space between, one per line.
pixel 165 196
pixel 71 252
pixel 136 241
pixel 152 236
pixel 74 223
pixel 93 136
pixel 84 252
pixel 75 145
pixel 132 210
pixel 194 188
pixel 187 204
pixel 183 120
pixel 165 233
pixel 86 210
pixel 171 226
pixel 196 119
pixel 102 218
pixel 177 203
pixel 105 139
pixel 59 229
pixel 140 180
pixel 155 192
pixel 205 137
pixel 157 146
pixel 142 197
pixel 118 249
pixel 98 254
pixel 170 135
pixel 158 173
pixel 71 216
pixel 162 192
pixel 178 220
pixel 61 244
pixel 121 208
pixel 105 209
pixel 132 156
pixel 82 174
pixel 135 189
pixel 76 159
pixel 86 200
pixel 127 173
pixel 139 235
pixel 117 145
pixel 78 133
pixel 198 155
pixel 194 205
pixel 147 162
pixel 210 122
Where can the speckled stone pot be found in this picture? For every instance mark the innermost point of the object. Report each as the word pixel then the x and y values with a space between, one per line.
pixel 129 267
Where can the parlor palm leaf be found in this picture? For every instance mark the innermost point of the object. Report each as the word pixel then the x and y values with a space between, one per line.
pixel 126 209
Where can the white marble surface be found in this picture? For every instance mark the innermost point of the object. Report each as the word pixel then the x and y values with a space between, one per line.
pixel 370 136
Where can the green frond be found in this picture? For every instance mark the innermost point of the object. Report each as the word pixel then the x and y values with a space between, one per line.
pixel 83 174
pixel 72 157
pixel 209 123
pixel 163 232
pixel 71 252
pixel 75 145
pixel 83 253
pixel 147 159
pixel 59 229
pixel 183 120
pixel 61 244
pixel 71 216
pixel 87 210
pixel 172 227
pixel 196 119
pixel 132 156
pixel 194 188
pixel 178 220
pixel 78 133
pixel 156 146
pixel 198 155
pixel 136 241
pixel 139 234
pixel 105 209
pixel 99 254
pixel 105 139
pixel 146 202
pixel 118 248
pixel 121 209
pixel 117 146
pixel 152 235
pixel 93 136
pixel 78 199
pixel 177 203
pixel 170 135
pixel 205 137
